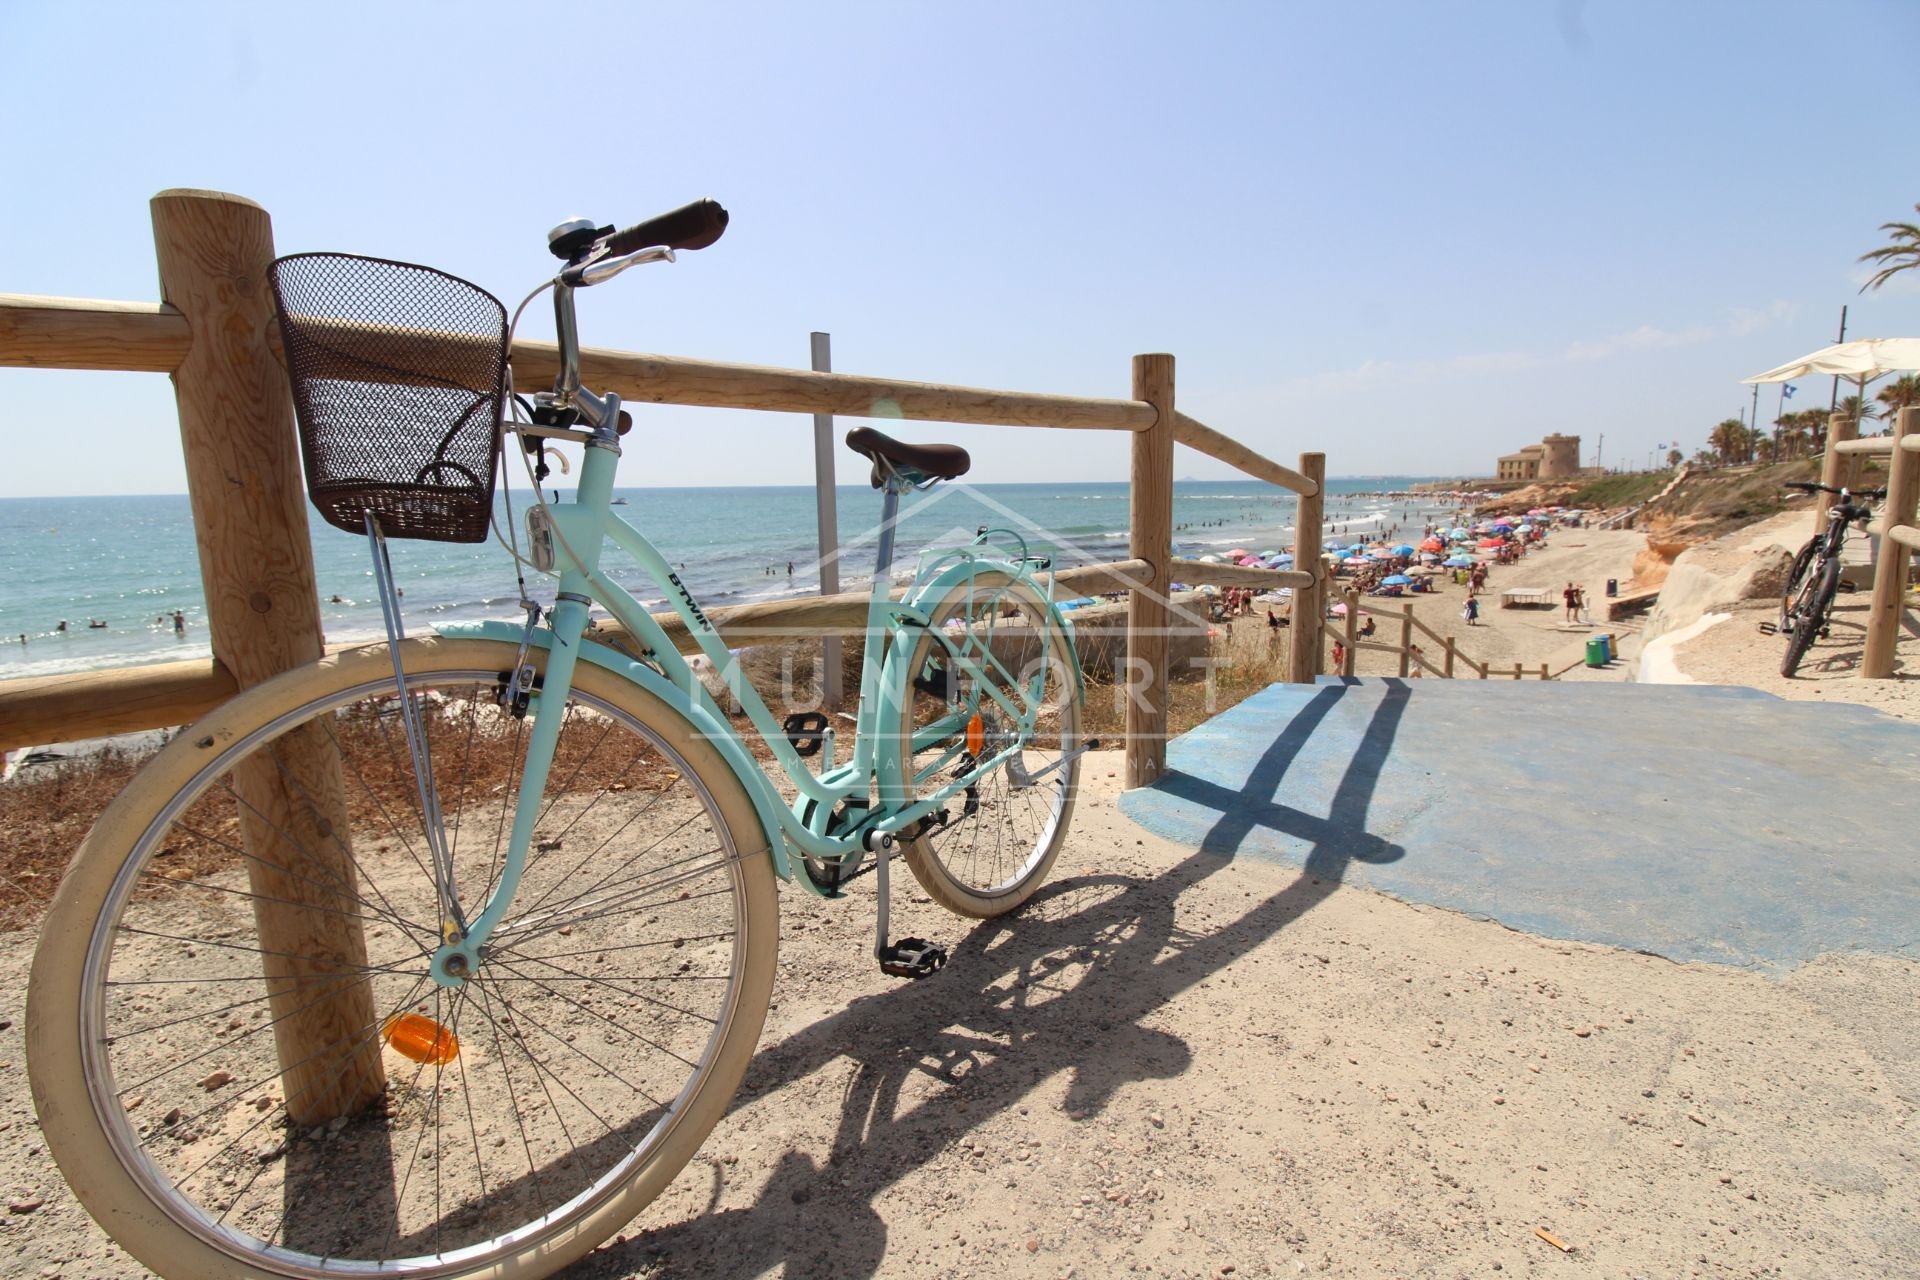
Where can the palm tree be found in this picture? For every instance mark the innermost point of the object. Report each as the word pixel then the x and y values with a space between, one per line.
pixel 1899 394
pixel 1675 457
pixel 1859 410
pixel 1729 440
pixel 1900 254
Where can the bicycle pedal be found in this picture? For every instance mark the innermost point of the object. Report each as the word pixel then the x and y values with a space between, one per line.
pixel 1769 628
pixel 912 958
pixel 1845 586
pixel 806 730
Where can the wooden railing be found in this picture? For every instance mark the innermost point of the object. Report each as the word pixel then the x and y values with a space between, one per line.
pixel 1411 656
pixel 1897 527
pixel 213 333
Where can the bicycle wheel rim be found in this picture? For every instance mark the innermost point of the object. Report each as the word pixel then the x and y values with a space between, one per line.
pixel 108 1092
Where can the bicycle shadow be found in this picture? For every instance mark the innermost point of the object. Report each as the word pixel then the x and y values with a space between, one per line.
pixel 1064 985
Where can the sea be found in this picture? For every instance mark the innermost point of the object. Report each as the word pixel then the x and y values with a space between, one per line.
pixel 130 562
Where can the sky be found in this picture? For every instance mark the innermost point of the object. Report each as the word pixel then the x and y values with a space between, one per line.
pixel 1413 236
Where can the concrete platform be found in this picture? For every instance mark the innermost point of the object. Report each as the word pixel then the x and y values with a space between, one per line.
pixel 1695 822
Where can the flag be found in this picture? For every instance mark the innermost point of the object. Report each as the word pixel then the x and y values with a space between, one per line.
pixel 1786 391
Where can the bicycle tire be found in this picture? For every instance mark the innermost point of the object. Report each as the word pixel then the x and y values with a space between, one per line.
pixel 1808 614
pixel 1797 574
pixel 991 857
pixel 588 1056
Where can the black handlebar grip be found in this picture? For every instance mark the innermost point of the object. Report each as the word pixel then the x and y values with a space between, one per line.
pixel 691 226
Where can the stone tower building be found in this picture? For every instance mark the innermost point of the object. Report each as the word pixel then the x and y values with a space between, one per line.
pixel 1559 457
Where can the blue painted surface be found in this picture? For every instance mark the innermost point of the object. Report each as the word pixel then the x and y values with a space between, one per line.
pixel 1692 821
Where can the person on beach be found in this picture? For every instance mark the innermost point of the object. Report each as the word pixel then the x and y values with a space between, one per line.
pixel 1472 611
pixel 62 626
pixel 1366 627
pixel 1339 658
pixel 179 623
pixel 1572 596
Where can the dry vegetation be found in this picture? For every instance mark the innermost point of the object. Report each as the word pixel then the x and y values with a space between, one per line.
pixel 46 809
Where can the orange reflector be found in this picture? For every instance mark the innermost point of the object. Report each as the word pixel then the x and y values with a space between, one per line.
pixel 976 735
pixel 416 1036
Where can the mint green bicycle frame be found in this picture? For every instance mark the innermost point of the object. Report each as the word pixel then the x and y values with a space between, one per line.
pixel 584 527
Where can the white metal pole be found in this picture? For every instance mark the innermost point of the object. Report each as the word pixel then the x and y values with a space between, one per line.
pixel 828 518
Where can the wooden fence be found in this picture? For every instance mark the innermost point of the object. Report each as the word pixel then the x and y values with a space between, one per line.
pixel 1411 656
pixel 213 333
pixel 1896 525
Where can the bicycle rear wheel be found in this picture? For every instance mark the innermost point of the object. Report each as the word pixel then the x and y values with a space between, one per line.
pixel 503 1127
pixel 999 837
pixel 1809 613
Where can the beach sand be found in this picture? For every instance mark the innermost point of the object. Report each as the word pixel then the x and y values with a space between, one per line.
pixel 1197 1066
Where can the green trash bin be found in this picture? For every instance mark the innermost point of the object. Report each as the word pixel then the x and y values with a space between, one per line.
pixel 1596 652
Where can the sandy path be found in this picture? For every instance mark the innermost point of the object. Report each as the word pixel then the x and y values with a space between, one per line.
pixel 1178 1064
pixel 1735 651
pixel 1529 636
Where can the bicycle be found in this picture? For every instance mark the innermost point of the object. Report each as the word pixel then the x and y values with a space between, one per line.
pixel 441 957
pixel 1806 601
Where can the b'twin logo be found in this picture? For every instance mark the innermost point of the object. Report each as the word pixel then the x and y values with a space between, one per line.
pixel 686 598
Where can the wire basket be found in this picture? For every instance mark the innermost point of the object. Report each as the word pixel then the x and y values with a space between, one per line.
pixel 399 375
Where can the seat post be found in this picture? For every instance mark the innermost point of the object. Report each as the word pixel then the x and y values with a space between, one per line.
pixel 896 484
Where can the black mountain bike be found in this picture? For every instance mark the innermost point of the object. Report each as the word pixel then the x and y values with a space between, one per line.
pixel 1806 602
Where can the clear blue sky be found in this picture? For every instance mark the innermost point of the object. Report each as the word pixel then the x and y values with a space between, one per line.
pixel 1412 235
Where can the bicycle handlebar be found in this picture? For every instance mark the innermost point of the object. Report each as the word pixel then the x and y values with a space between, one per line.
pixel 691 226
pixel 1814 487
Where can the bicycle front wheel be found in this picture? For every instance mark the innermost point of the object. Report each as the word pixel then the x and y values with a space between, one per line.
pixel 1797 575
pixel 1809 613
pixel 240 1060
pixel 991 845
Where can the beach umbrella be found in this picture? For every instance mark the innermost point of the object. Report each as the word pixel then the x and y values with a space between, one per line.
pixel 1404 549
pixel 1339 610
pixel 1354 560
pixel 1492 542
pixel 1432 544
pixel 1456 533
pixel 1459 562
pixel 1395 580
pixel 1237 552
pixel 1268 555
pixel 1209 559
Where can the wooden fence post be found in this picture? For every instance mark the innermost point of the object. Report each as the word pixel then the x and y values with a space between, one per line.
pixel 1890 572
pixel 1448 670
pixel 1544 673
pixel 1352 631
pixel 1406 638
pixel 1309 603
pixel 263 614
pixel 1836 467
pixel 1150 538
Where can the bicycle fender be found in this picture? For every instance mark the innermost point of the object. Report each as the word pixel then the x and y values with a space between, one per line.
pixel 960 571
pixel 765 804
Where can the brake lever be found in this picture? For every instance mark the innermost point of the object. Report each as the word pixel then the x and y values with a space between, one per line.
pixel 603 269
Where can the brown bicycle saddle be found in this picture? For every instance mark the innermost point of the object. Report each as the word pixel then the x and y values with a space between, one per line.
pixel 927 461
